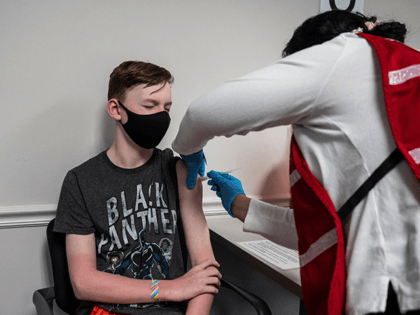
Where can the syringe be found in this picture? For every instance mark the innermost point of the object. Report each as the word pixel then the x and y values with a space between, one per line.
pixel 227 172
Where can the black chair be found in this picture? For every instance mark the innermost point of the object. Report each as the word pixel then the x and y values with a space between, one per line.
pixel 62 292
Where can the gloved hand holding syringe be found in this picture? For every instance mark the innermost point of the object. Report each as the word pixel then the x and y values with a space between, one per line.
pixel 226 187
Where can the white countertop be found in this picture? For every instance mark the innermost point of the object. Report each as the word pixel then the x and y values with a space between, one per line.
pixel 228 232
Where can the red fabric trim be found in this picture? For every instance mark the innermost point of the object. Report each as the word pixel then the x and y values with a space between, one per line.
pixel 402 100
pixel 100 311
pixel 324 278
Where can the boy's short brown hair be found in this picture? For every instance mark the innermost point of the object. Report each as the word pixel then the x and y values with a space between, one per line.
pixel 132 73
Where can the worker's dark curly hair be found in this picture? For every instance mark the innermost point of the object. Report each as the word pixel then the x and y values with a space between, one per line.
pixel 325 26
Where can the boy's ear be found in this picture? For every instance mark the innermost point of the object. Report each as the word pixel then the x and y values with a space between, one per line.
pixel 114 109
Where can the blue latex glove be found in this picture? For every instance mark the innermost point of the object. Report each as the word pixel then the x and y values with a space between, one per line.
pixel 196 165
pixel 226 187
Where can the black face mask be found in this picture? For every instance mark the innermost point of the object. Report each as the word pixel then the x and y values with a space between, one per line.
pixel 147 131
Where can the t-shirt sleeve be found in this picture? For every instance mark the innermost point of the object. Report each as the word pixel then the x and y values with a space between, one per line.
pixel 72 216
pixel 172 160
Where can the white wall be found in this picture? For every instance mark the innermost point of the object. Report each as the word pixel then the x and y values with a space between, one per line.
pixel 55 60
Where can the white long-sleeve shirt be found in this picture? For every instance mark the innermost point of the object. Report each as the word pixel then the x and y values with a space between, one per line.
pixel 332 96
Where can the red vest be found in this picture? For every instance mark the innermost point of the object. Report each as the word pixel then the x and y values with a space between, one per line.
pixel 321 245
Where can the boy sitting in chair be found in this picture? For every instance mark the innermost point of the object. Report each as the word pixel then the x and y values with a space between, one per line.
pixel 128 215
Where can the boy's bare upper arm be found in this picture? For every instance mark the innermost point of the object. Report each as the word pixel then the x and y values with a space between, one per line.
pixel 193 219
pixel 191 198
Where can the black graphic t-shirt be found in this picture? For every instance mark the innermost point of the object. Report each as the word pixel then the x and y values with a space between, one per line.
pixel 134 214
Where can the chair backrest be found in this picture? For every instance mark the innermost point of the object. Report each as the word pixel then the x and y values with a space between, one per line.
pixel 64 294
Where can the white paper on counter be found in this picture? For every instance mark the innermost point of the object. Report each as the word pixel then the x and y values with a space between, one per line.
pixel 280 256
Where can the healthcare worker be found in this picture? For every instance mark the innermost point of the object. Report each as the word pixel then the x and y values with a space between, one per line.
pixel 352 97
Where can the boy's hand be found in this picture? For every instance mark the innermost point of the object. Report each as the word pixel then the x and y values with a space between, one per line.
pixel 203 278
pixel 196 166
pixel 226 187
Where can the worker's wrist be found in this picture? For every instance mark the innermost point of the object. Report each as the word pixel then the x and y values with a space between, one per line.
pixel 239 206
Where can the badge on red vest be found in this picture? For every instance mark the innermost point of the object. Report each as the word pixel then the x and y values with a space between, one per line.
pixel 321 249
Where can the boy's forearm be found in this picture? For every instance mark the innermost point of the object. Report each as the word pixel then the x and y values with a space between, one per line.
pixel 200 304
pixel 109 288
pixel 91 284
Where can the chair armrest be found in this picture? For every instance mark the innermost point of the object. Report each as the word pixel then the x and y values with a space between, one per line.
pixel 259 304
pixel 43 300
